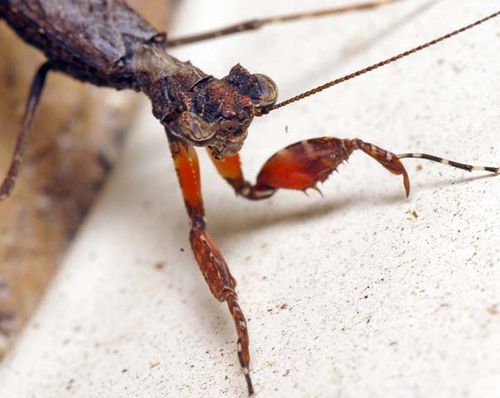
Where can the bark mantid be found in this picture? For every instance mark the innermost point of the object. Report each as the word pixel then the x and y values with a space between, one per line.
pixel 109 44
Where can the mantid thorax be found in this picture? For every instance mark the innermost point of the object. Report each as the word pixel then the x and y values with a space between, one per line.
pixel 217 112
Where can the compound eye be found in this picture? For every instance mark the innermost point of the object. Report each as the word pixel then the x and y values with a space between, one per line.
pixel 229 126
pixel 268 91
pixel 193 128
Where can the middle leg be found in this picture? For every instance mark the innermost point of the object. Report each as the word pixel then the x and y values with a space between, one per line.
pixel 254 24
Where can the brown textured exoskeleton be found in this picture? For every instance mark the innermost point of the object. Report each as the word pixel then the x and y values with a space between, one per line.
pixel 80 39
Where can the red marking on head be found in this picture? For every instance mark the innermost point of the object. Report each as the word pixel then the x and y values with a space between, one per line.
pixel 246 101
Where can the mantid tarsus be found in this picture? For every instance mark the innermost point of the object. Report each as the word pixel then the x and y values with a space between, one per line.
pixel 196 109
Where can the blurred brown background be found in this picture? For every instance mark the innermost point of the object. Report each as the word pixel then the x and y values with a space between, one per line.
pixel 75 140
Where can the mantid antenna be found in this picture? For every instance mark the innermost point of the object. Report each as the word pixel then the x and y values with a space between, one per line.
pixel 395 58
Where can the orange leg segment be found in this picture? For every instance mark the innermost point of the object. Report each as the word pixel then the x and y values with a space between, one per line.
pixel 211 262
pixel 302 165
pixel 230 169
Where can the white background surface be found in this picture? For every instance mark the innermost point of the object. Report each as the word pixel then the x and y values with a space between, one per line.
pixel 349 295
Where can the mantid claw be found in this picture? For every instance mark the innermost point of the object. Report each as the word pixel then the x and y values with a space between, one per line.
pixel 302 165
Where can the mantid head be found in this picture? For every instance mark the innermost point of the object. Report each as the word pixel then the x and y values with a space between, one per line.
pixel 220 110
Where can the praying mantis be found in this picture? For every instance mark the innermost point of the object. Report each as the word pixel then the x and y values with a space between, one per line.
pixel 198 236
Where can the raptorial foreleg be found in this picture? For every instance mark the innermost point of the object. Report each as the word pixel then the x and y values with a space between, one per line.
pixel 303 165
pixel 210 260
